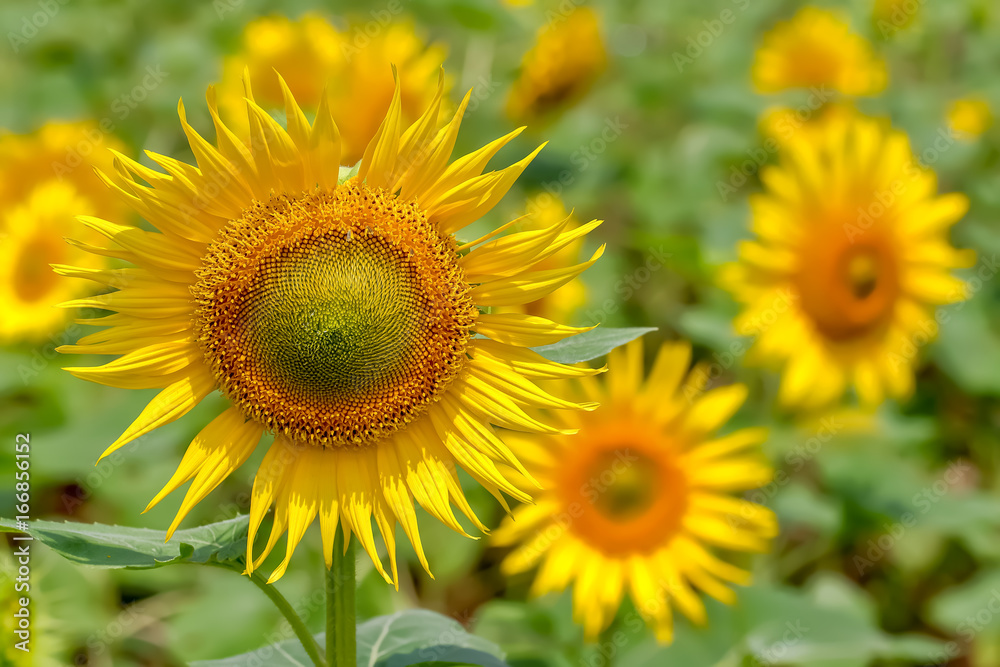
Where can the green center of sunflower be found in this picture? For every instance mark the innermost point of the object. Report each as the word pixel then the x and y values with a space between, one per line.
pixel 625 498
pixel 334 318
pixel 631 483
pixel 862 274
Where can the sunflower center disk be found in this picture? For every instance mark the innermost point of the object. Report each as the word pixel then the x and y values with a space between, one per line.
pixel 33 279
pixel 848 288
pixel 334 318
pixel 631 489
pixel 631 497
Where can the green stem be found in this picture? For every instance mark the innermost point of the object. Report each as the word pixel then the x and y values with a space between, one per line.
pixel 279 601
pixel 341 649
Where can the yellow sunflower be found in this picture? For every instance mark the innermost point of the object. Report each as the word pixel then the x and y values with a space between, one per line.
pixel 64 151
pixel 560 68
pixel 817 48
pixel 970 117
pixel 353 65
pixel 779 124
pixel 851 256
pixel 32 239
pixel 338 313
pixel 545 211
pixel 641 496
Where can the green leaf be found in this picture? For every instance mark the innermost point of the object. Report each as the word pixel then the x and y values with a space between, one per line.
pixel 970 326
pixel 137 548
pixel 412 638
pixel 590 344
pixel 408 638
pixel 786 626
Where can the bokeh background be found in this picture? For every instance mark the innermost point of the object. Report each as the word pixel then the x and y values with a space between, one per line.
pixel 653 146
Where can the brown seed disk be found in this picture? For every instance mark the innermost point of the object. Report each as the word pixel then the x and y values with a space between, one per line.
pixel 336 317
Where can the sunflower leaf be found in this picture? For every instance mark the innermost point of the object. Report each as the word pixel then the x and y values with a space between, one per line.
pixel 418 636
pixel 590 344
pixel 412 638
pixel 137 548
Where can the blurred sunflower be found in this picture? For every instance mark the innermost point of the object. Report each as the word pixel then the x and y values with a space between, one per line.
pixel 337 312
pixel 641 495
pixel 970 117
pixel 64 151
pixel 46 179
pixel 43 642
pixel 850 259
pixel 352 65
pixel 33 233
pixel 548 212
pixel 817 48
pixel 780 123
pixel 560 68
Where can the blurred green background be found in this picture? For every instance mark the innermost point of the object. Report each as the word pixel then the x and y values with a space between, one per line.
pixel 850 581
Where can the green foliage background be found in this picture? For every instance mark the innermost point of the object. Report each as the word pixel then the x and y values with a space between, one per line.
pixel 883 559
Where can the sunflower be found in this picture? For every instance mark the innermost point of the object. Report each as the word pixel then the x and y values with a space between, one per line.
pixel 850 259
pixel 352 64
pixel 46 179
pixel 778 124
pixel 817 48
pixel 64 151
pixel 639 499
pixel 33 232
pixel 337 312
pixel 544 211
pixel 969 117
pixel 560 68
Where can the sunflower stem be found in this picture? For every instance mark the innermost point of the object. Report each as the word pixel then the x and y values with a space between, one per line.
pixel 341 649
pixel 294 620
